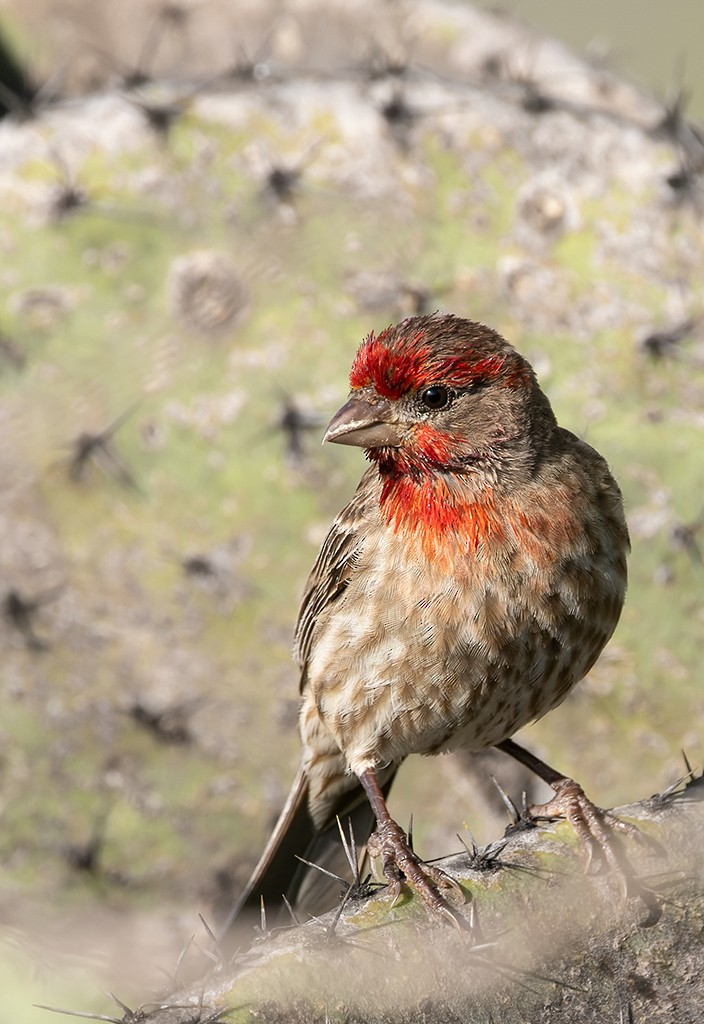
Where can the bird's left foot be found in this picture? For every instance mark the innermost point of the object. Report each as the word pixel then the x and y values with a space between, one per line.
pixel 400 864
pixel 598 830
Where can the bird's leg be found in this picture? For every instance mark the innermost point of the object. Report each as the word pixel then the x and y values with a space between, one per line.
pixel 594 827
pixel 399 862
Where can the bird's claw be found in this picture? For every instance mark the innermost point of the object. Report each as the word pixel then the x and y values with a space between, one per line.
pixel 593 826
pixel 596 829
pixel 400 864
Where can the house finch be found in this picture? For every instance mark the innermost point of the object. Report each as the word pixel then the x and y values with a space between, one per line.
pixel 472 580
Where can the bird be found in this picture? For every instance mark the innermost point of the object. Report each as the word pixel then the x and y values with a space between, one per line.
pixel 472 580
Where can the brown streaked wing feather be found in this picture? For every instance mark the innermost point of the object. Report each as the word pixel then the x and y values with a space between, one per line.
pixel 334 565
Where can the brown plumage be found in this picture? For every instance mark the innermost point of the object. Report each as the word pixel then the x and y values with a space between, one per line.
pixel 472 580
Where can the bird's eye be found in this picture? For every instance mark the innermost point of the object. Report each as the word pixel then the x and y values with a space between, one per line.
pixel 435 397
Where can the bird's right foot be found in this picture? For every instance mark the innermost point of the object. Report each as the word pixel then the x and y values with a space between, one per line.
pixel 400 864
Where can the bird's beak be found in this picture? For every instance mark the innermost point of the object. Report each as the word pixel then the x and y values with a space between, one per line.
pixel 365 424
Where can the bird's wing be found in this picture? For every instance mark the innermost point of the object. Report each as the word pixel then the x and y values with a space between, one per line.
pixel 334 565
pixel 295 835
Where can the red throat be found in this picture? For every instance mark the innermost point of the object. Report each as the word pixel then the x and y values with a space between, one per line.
pixel 445 522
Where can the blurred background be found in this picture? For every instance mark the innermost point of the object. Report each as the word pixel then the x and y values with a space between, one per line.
pixel 655 45
pixel 204 207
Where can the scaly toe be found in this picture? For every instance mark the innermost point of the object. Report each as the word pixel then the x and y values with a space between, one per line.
pixel 400 864
pixel 598 831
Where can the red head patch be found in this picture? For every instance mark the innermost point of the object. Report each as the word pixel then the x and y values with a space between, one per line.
pixel 396 363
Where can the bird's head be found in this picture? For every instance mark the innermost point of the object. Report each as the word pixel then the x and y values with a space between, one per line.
pixel 441 395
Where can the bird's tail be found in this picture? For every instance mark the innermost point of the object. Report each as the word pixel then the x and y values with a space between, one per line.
pixel 280 872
